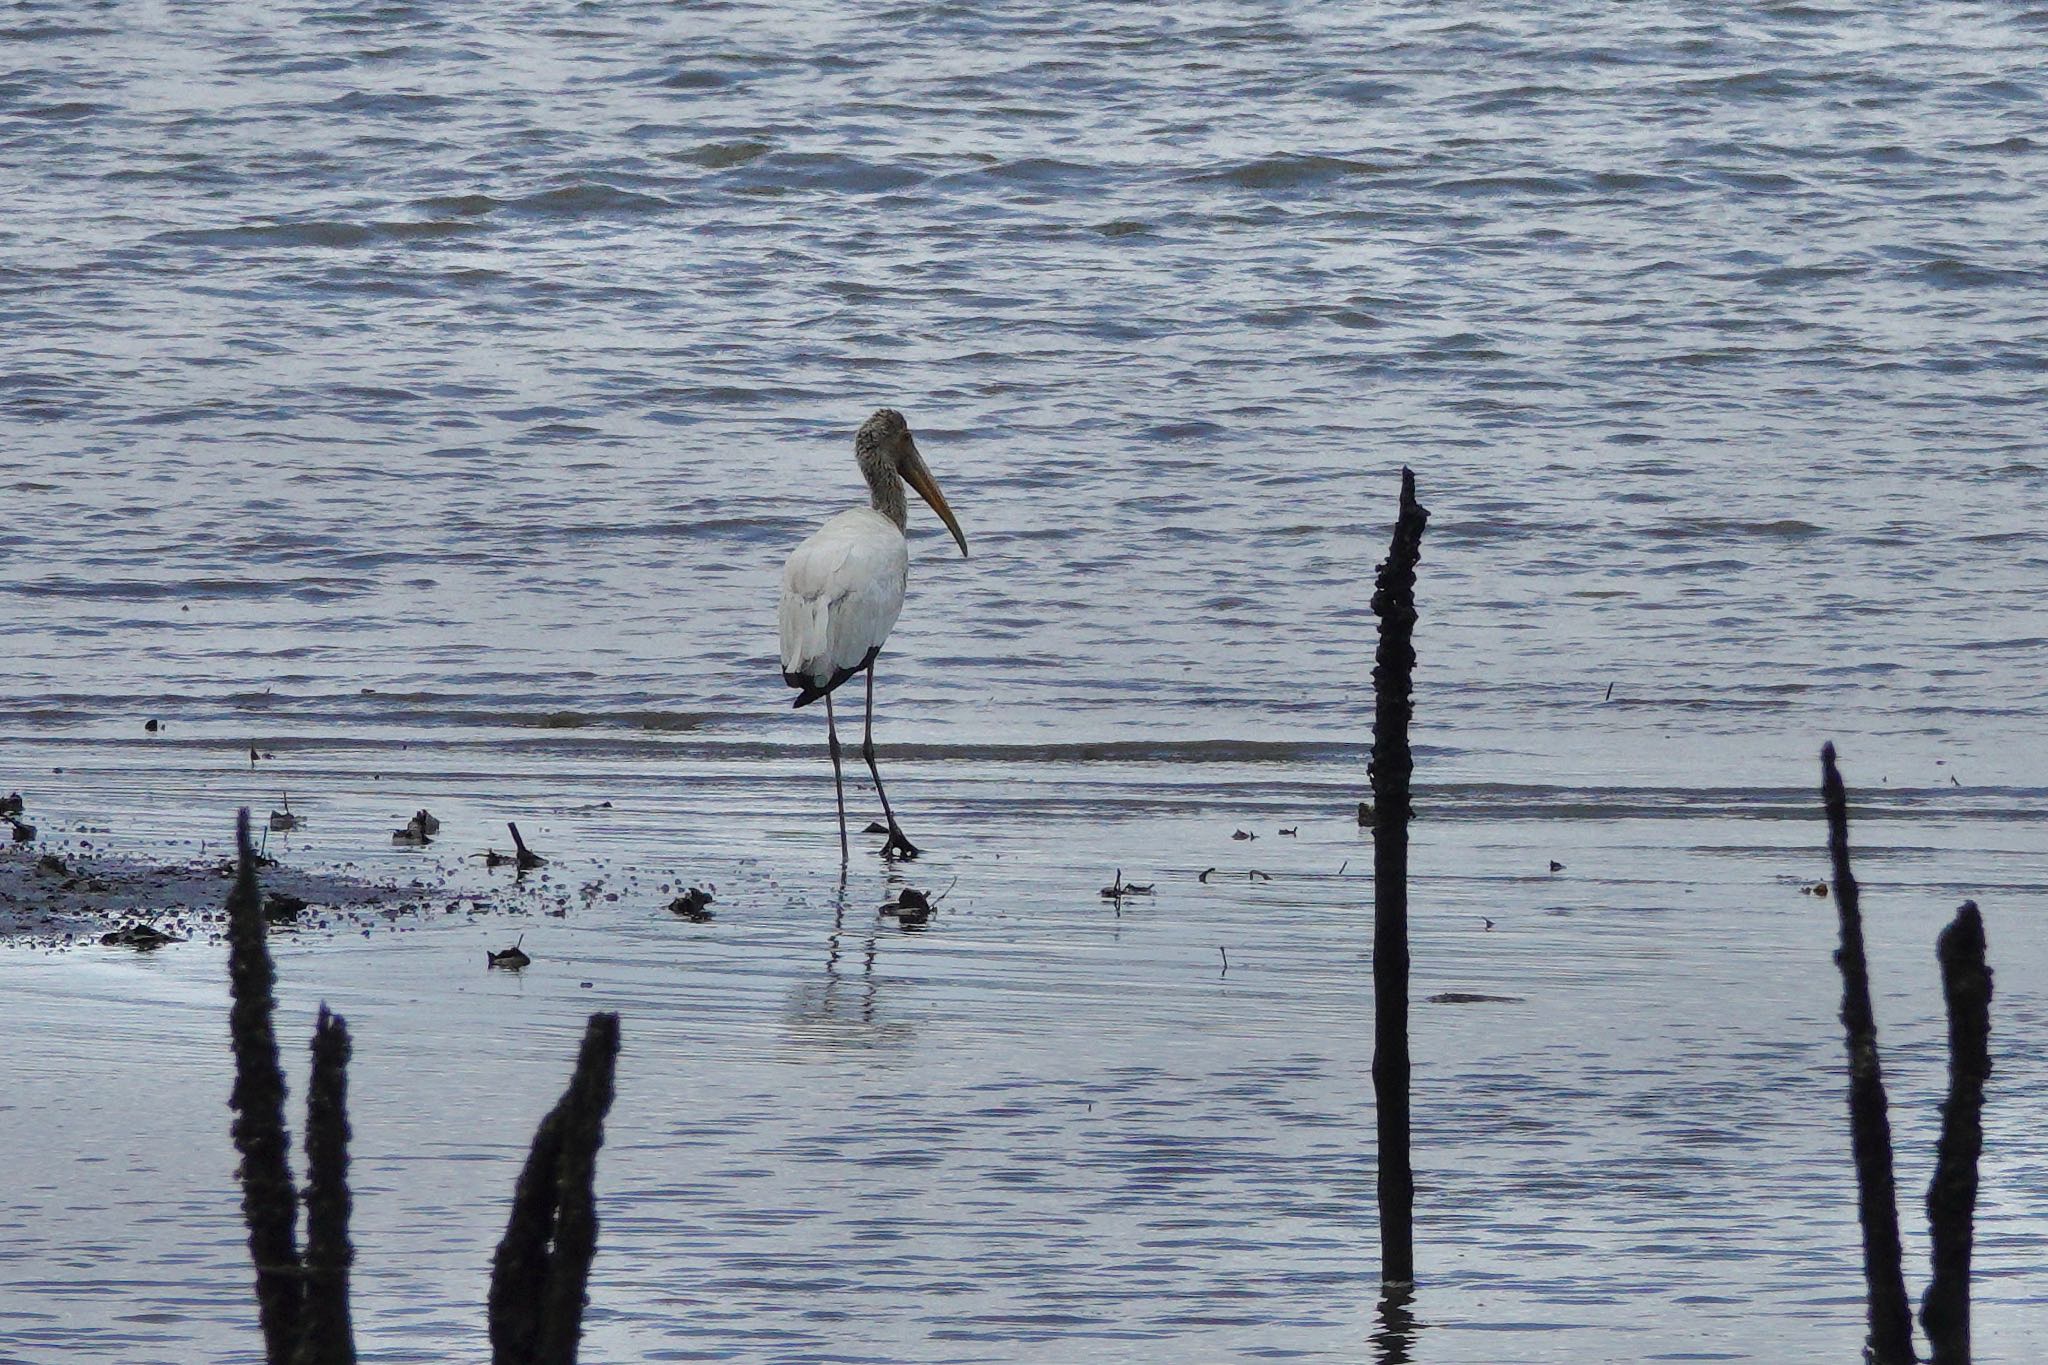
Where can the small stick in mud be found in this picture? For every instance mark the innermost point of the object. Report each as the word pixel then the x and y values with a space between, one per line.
pixel 1392 764
pixel 526 857
pixel 1870 1129
pixel 1952 1194
pixel 511 959
pixel 1119 888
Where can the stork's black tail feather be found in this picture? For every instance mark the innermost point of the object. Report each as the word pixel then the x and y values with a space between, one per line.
pixel 810 691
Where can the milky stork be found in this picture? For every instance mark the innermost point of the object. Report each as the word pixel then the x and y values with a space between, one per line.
pixel 843 588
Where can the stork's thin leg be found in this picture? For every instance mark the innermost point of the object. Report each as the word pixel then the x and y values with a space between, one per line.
pixel 838 786
pixel 897 842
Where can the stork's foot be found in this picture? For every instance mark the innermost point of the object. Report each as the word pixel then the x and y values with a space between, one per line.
pixel 898 844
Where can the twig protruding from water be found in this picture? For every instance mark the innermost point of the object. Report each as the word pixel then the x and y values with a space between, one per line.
pixel 527 858
pixel 1870 1129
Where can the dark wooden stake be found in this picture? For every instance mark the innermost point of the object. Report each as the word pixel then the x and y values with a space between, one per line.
pixel 327 1336
pixel 1393 674
pixel 1952 1195
pixel 537 1290
pixel 1870 1129
pixel 269 1203
pixel 527 857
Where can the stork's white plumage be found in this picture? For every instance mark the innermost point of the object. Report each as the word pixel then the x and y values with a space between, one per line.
pixel 842 590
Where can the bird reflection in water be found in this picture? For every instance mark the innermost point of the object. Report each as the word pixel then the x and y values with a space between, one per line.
pixel 841 1010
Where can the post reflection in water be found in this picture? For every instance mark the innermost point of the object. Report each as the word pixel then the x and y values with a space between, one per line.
pixel 1393 1340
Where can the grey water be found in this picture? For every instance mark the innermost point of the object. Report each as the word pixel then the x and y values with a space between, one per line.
pixel 429 394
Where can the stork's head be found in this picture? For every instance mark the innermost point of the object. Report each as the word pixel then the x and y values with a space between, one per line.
pixel 887 451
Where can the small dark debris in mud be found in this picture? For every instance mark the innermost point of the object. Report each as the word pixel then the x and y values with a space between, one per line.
pixel 1206 873
pixel 24 832
pixel 141 937
pixel 525 857
pixel 1254 875
pixel 1119 888
pixel 691 905
pixel 152 725
pixel 418 831
pixel 12 804
pixel 284 819
pixel 493 858
pixel 281 907
pixel 510 959
pixel 77 897
pixel 1293 833
pixel 1817 889
pixel 1487 922
pixel 1243 834
pixel 1556 866
pixel 913 908
pixel 875 827
pixel 1473 998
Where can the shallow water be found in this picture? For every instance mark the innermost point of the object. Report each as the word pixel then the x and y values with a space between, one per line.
pixel 493 359
pixel 1047 1126
pixel 429 396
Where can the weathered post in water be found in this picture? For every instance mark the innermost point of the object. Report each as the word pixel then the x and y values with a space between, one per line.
pixel 1870 1129
pixel 543 1263
pixel 1952 1195
pixel 270 1204
pixel 1393 676
pixel 326 1335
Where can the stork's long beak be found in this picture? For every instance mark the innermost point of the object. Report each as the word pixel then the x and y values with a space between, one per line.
pixel 920 478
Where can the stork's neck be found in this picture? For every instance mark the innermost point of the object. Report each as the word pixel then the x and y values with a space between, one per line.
pixel 885 485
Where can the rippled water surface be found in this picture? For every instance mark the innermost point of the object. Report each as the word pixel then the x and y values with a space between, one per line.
pixel 429 394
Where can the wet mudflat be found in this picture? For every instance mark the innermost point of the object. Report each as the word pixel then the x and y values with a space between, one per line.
pixel 1041 1123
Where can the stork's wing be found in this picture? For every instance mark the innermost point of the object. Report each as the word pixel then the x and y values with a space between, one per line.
pixel 841 593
